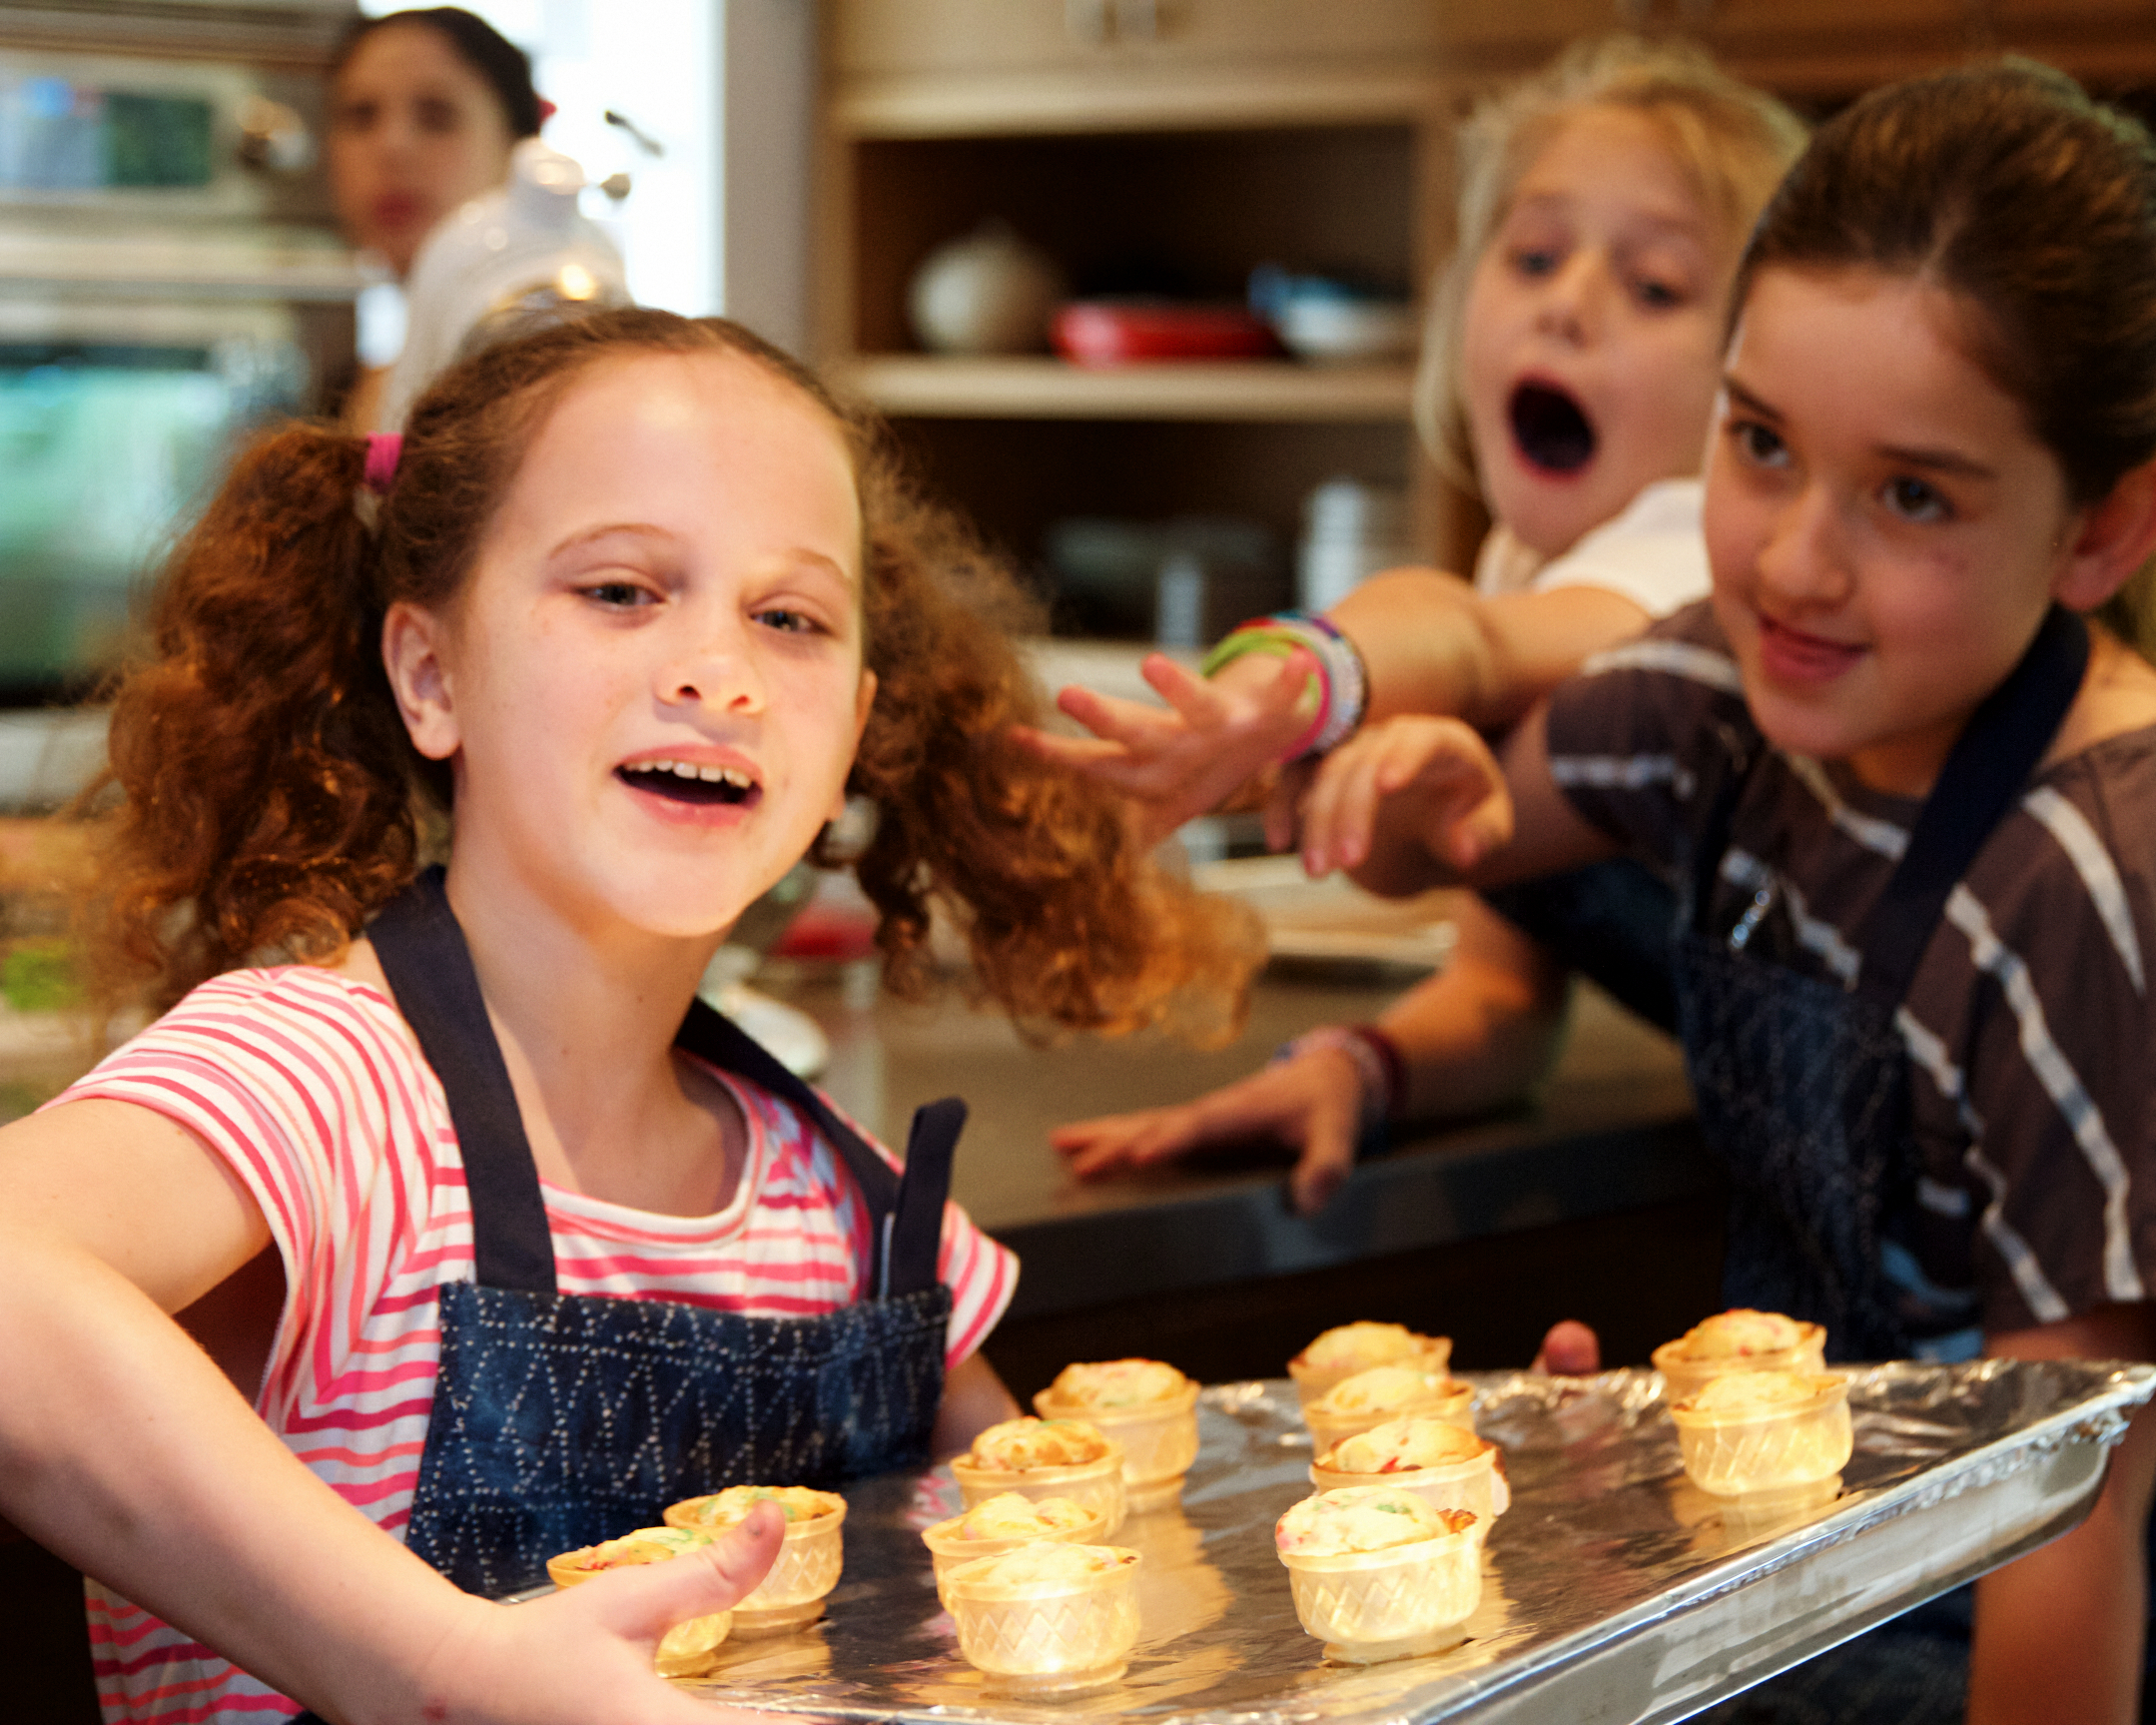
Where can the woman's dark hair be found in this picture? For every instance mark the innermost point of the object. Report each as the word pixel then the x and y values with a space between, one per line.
pixel 270 799
pixel 2010 187
pixel 505 66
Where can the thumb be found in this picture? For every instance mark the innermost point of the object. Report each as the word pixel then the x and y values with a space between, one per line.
pixel 647 1599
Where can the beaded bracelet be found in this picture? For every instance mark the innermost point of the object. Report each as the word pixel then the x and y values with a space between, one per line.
pixel 1380 1068
pixel 1339 687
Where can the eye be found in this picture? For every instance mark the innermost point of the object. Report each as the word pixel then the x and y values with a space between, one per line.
pixel 620 595
pixel 354 116
pixel 1756 445
pixel 1533 260
pixel 788 621
pixel 1658 294
pixel 435 115
pixel 1916 501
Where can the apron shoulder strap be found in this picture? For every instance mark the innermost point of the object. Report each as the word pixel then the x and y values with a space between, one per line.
pixel 904 1211
pixel 1990 765
pixel 422 953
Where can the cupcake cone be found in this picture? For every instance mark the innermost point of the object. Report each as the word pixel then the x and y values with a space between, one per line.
pixel 1729 1454
pixel 1092 1484
pixel 1047 1638
pixel 1394 1603
pixel 1158 1439
pixel 949 1547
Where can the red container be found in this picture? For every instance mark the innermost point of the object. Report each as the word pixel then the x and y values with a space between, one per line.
pixel 1123 333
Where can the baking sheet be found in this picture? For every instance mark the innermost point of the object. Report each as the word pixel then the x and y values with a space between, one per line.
pixel 1613 1589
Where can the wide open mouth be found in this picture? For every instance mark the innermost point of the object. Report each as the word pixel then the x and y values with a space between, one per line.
pixel 686 782
pixel 1550 428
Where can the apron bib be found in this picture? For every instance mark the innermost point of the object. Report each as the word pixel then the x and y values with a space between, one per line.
pixel 1801 1083
pixel 563 1419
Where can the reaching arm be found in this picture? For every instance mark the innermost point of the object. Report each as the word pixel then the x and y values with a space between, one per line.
pixel 1474 1036
pixel 2058 1633
pixel 1429 641
pixel 127 1451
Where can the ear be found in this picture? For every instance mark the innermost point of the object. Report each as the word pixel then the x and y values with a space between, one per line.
pixel 411 654
pixel 864 699
pixel 2110 542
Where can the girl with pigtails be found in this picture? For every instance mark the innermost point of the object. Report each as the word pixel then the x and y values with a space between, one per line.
pixel 630 614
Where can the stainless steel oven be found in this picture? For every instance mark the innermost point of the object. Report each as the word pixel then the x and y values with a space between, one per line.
pixel 169 278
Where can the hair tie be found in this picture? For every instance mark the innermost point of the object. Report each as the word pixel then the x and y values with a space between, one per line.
pixel 383 449
pixel 546 109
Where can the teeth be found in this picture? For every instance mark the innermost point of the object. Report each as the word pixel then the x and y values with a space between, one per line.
pixel 733 776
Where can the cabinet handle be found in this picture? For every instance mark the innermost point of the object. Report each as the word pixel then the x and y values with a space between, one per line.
pixel 1087 21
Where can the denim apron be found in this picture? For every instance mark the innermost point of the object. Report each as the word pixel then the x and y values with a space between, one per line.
pixel 1802 1086
pixel 1801 1083
pixel 563 1419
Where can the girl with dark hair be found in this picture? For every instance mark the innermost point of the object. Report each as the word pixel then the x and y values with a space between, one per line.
pixel 511 1242
pixel 424 105
pixel 1911 790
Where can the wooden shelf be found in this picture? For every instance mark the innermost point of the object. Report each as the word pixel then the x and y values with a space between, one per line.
pixel 921 385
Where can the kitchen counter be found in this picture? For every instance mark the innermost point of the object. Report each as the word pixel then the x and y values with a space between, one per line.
pixel 1595 1200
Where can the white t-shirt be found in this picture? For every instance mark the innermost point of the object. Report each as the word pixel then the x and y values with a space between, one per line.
pixel 1651 552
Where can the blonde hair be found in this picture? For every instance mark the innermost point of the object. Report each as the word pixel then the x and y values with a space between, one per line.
pixel 1733 142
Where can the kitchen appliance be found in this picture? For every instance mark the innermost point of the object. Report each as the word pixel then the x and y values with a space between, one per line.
pixel 169 278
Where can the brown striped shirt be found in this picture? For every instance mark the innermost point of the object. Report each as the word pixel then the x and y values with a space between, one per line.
pixel 2028 1027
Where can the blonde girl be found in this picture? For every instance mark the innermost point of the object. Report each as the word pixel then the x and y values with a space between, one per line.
pixel 1567 376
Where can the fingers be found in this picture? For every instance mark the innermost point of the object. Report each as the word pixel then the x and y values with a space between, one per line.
pixel 1571 1350
pixel 645 1600
pixel 1328 1158
pixel 1450 788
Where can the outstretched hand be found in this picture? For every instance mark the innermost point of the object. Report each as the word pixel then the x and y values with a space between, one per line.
pixel 1213 736
pixel 583 1656
pixel 1436 781
pixel 1313 1103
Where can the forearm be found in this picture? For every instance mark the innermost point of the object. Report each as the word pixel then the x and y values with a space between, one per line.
pixel 1483 1031
pixel 2059 1632
pixel 1431 643
pixel 125 1450
pixel 974 1399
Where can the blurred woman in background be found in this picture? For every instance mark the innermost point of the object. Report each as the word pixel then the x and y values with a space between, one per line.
pixel 425 107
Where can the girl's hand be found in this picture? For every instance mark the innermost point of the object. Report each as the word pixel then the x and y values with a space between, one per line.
pixel 583 1656
pixel 1214 735
pixel 1438 786
pixel 1313 1103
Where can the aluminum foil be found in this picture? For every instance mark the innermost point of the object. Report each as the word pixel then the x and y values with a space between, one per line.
pixel 1613 1589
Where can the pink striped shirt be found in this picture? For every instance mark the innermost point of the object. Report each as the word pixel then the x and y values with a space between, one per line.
pixel 313 1089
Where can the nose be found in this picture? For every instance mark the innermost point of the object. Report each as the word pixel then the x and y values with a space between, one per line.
pixel 1802 561
pixel 714 667
pixel 1575 296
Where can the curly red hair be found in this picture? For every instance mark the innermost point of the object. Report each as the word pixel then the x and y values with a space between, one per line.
pixel 270 799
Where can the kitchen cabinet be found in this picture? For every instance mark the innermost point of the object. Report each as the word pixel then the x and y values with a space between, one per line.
pixel 1185 141
pixel 1171 143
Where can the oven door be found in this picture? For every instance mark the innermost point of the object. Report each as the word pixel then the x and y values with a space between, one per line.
pixel 116 419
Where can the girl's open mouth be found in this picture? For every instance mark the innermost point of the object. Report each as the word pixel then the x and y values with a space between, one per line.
pixel 686 782
pixel 1550 430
